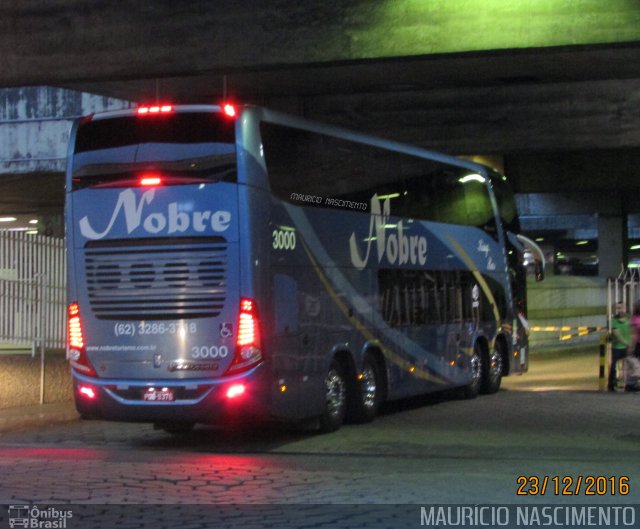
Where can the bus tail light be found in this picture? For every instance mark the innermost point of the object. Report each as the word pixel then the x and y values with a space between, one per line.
pixel 87 392
pixel 248 352
pixel 236 390
pixel 77 352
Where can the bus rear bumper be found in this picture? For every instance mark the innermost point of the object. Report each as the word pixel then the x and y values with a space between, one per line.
pixel 194 401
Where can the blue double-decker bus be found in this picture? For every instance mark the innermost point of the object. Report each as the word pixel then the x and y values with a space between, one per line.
pixel 235 262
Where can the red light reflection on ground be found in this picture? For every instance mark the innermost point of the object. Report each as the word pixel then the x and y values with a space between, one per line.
pixel 215 461
pixel 124 475
pixel 52 453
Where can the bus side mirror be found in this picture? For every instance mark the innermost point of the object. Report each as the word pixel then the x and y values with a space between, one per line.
pixel 538 256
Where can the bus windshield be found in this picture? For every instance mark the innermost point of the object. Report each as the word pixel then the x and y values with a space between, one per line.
pixel 183 147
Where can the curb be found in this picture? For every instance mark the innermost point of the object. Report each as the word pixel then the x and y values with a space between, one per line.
pixel 22 418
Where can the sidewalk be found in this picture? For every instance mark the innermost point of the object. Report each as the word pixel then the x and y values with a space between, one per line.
pixel 23 417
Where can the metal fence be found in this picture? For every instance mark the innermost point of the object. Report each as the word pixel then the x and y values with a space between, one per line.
pixel 32 291
pixel 623 289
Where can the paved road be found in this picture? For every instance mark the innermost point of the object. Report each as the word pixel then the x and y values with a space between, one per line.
pixel 419 452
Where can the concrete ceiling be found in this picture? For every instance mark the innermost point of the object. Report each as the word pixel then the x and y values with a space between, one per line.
pixel 404 98
pixel 479 76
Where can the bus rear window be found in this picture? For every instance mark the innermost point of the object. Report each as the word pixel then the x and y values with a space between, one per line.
pixel 188 146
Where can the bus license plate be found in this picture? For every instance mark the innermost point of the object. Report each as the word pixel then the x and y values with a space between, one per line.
pixel 159 395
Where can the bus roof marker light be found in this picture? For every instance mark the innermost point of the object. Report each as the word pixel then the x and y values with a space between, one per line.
pixel 229 110
pixel 475 177
pixel 150 180
pixel 155 109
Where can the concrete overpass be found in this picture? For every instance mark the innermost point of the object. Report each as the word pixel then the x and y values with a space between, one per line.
pixel 549 88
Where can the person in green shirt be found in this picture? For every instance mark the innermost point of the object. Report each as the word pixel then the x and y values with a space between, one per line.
pixel 621 337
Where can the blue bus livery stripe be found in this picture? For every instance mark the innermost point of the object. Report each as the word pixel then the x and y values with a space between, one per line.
pixel 330 275
pixel 388 353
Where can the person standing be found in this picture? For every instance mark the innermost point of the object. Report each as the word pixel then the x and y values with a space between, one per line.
pixel 632 360
pixel 620 342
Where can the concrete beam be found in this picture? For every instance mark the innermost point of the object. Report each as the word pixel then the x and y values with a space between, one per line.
pixel 496 119
pixel 34 127
pixel 600 180
pixel 571 204
pixel 60 41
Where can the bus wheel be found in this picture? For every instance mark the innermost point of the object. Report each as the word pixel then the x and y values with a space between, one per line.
pixel 335 404
pixel 471 390
pixel 492 370
pixel 368 391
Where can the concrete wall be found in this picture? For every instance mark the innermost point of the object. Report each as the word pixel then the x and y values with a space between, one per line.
pixel 35 124
pixel 20 379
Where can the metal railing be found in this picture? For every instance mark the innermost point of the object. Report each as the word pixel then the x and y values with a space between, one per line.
pixel 32 291
pixel 623 289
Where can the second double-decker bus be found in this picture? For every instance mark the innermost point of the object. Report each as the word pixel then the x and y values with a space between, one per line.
pixel 235 261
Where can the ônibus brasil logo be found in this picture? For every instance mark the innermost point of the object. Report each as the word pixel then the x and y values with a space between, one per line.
pixel 35 517
pixel 173 221
pixel 397 247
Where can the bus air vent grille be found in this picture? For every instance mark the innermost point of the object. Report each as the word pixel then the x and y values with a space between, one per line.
pixel 156 279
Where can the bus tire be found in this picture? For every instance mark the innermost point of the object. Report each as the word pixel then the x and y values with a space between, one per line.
pixel 492 369
pixel 367 393
pixel 471 390
pixel 335 400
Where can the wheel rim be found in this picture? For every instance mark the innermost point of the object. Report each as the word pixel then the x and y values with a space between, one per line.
pixel 476 368
pixel 495 365
pixel 368 386
pixel 335 393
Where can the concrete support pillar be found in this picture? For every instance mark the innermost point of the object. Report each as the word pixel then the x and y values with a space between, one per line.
pixel 51 222
pixel 612 244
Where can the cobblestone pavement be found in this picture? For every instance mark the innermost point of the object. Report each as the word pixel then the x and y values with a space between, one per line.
pixel 419 452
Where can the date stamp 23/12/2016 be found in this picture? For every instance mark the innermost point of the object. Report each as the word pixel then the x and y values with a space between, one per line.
pixel 573 485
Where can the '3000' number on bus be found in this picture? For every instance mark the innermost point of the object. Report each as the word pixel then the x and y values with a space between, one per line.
pixel 284 240
pixel 209 351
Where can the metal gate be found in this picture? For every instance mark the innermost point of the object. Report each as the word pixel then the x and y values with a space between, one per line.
pixel 623 289
pixel 32 291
